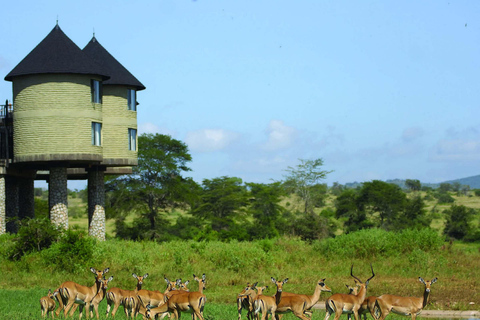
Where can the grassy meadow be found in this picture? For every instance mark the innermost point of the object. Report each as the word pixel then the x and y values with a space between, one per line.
pixel 397 262
pixel 398 259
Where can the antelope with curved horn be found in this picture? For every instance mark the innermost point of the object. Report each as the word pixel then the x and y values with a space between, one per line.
pixel 347 303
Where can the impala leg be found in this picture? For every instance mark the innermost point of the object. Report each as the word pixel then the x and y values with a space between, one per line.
pixel 115 308
pixel 67 308
pixel 338 313
pixel 300 315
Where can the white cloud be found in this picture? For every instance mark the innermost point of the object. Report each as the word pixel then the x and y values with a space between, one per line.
pixel 148 127
pixel 280 136
pixel 456 150
pixel 208 140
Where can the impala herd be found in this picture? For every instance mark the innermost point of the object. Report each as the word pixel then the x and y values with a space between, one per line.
pixel 177 299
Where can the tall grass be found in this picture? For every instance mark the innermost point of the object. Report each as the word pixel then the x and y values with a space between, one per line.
pixel 398 260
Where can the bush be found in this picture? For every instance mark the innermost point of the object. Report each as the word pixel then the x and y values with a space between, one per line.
pixel 444 197
pixel 33 235
pixel 458 224
pixel 74 251
pixel 378 242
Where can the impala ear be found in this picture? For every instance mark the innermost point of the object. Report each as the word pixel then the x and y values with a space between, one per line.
pixel 106 270
pixel 204 277
pixel 421 280
pixel 285 281
pixel 434 280
pixel 273 280
pixel 134 275
pixel 93 270
pixel 145 275
pixel 110 279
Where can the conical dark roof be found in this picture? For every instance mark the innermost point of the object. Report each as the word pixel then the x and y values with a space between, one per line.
pixel 119 75
pixel 57 54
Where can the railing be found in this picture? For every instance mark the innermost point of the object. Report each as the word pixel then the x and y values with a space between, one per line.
pixel 6 110
pixel 6 132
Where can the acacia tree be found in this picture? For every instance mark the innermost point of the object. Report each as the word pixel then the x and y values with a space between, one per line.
pixel 303 178
pixel 413 184
pixel 459 221
pixel 222 200
pixel 386 199
pixel 155 186
pixel 265 209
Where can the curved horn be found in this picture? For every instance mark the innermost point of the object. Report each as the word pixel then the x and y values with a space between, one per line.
pixel 373 274
pixel 351 273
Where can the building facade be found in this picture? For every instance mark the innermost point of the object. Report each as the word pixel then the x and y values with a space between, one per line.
pixel 74 116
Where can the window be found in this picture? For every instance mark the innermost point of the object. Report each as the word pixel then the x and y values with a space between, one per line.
pixel 132 139
pixel 96 87
pixel 96 134
pixel 132 100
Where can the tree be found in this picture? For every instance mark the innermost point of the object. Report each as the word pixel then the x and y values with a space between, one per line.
pixel 458 223
pixel 347 207
pixel 383 198
pixel 413 184
pixel 445 187
pixel 222 202
pixel 155 186
pixel 302 179
pixel 414 215
pixel 265 209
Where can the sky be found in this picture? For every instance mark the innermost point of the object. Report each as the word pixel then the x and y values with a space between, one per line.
pixel 377 89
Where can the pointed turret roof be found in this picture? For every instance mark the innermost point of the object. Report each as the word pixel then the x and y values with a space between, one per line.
pixel 119 75
pixel 57 54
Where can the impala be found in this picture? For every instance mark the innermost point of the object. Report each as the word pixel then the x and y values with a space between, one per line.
pixel 244 300
pixel 189 302
pixel 268 304
pixel 98 298
pixel 404 306
pixel 70 291
pixel 154 298
pixel 347 303
pixel 127 298
pixel 367 305
pixel 92 304
pixel 47 304
pixel 300 304
pixel 247 298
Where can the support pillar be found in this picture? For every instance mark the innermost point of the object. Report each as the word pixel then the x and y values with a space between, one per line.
pixel 96 203
pixel 27 195
pixel 12 203
pixel 3 216
pixel 58 197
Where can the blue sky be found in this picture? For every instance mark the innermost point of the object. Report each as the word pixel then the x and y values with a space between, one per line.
pixel 377 89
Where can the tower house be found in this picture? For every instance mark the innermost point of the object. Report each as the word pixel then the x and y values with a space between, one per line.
pixel 69 122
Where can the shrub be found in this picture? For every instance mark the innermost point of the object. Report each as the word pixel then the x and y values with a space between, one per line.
pixel 74 251
pixel 378 242
pixel 33 235
pixel 444 197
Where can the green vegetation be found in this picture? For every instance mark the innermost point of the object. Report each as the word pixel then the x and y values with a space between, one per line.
pixel 238 232
pixel 398 260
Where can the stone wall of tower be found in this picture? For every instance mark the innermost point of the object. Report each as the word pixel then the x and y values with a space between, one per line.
pixel 53 118
pixel 117 119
